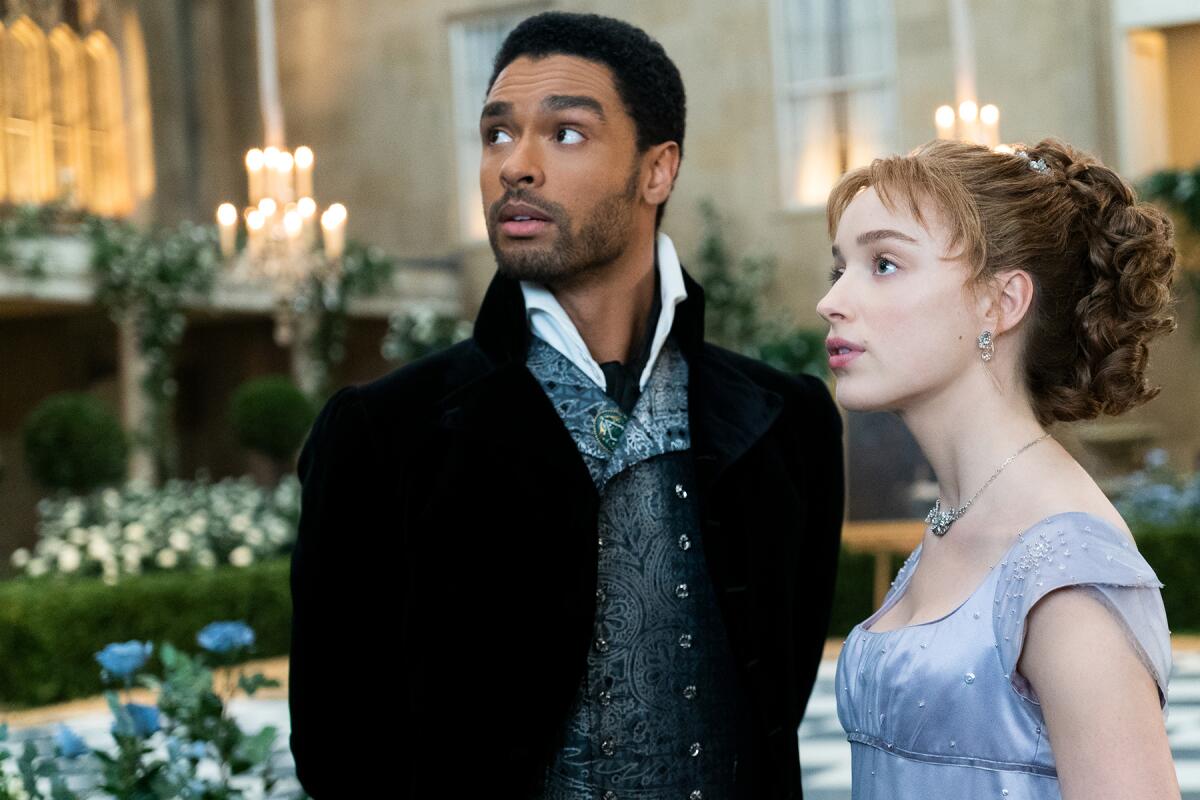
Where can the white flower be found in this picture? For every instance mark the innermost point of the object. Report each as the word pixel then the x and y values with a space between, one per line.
pixel 111 499
pixel 167 559
pixel 254 537
pixel 206 559
pixel 180 540
pixel 135 532
pixel 20 558
pixel 197 523
pixel 78 536
pixel 36 567
pixel 72 514
pixel 239 523
pixel 69 559
pixel 99 548
pixel 131 553
pixel 241 556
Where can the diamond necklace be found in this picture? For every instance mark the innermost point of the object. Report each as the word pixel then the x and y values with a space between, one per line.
pixel 940 521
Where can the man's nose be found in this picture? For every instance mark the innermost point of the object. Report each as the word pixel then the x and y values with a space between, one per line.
pixel 523 167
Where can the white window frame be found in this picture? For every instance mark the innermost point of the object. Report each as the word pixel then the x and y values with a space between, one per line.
pixel 788 92
pixel 468 103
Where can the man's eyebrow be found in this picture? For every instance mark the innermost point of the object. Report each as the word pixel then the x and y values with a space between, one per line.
pixel 498 108
pixel 563 102
pixel 875 236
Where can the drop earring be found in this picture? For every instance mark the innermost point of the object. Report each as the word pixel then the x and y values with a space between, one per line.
pixel 985 346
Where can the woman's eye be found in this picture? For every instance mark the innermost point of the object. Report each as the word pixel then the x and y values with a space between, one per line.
pixel 882 263
pixel 497 136
pixel 569 136
pixel 834 274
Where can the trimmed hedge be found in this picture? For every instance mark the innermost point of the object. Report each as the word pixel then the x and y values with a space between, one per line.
pixel 51 628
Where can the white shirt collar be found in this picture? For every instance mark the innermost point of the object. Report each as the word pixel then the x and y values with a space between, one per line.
pixel 550 322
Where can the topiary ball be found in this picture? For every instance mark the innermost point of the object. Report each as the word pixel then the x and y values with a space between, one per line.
pixel 271 416
pixel 73 441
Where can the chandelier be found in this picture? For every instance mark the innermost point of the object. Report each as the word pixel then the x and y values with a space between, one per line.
pixel 280 220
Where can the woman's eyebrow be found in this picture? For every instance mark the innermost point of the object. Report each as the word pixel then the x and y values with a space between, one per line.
pixel 884 233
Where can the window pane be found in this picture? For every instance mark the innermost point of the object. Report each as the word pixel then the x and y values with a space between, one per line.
pixel 473 47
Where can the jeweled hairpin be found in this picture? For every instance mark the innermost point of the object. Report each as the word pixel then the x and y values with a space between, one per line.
pixel 1038 164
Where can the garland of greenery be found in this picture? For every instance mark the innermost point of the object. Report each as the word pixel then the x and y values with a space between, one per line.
pixel 149 279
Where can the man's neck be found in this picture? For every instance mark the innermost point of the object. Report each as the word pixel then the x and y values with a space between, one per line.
pixel 610 308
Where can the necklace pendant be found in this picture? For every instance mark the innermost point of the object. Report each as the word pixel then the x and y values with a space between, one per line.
pixel 940 521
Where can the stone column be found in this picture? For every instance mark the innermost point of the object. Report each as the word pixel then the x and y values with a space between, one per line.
pixel 132 368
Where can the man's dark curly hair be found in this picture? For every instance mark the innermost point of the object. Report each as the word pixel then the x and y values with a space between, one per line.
pixel 646 79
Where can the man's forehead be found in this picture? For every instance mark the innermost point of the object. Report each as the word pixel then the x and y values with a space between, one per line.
pixel 534 78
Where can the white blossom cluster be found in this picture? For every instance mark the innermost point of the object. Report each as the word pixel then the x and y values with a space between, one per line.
pixel 180 525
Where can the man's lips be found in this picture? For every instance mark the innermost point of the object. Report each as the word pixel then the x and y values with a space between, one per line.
pixel 522 221
pixel 841 351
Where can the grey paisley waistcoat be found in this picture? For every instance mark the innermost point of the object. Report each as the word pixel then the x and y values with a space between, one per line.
pixel 655 715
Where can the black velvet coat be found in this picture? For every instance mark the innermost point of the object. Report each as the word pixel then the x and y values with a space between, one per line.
pixel 443 582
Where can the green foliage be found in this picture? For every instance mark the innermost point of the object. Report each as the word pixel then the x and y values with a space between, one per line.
pixel 1179 189
pixel 72 441
pixel 272 416
pixel 149 278
pixel 417 333
pixel 364 271
pixel 51 627
pixel 733 313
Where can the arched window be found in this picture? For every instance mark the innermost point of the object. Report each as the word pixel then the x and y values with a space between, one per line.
pixel 109 180
pixel 29 151
pixel 137 78
pixel 69 117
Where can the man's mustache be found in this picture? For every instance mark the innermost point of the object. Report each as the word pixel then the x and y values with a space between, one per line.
pixel 547 208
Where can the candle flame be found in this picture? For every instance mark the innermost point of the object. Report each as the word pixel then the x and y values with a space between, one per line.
pixel 226 214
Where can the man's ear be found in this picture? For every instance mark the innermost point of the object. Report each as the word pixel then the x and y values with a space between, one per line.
pixel 660 165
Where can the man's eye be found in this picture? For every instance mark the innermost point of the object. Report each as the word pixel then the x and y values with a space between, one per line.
pixel 497 136
pixel 569 136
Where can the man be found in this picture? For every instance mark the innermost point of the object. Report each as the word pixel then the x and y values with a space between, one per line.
pixel 585 553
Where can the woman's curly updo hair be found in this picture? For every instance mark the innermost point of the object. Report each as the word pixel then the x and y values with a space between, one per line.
pixel 1102 263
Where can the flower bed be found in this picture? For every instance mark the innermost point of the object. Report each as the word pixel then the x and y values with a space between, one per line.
pixel 182 525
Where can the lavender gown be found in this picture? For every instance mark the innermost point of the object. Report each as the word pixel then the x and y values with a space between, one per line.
pixel 938 709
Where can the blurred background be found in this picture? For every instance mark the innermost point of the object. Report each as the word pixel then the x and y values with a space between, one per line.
pixel 213 213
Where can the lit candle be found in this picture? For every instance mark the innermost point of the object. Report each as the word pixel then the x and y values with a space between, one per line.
pixel 943 118
pixel 270 165
pixel 989 117
pixel 283 166
pixel 308 213
pixel 333 223
pixel 254 169
pixel 267 207
pixel 255 224
pixel 227 217
pixel 968 114
pixel 304 171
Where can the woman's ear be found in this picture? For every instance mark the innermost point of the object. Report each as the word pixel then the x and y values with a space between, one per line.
pixel 1009 297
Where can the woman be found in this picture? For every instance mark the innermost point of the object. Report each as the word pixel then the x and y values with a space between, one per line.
pixel 1023 649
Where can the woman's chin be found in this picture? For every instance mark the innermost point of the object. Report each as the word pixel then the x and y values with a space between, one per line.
pixel 852 398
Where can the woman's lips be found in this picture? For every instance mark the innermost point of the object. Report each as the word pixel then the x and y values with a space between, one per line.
pixel 841 359
pixel 841 352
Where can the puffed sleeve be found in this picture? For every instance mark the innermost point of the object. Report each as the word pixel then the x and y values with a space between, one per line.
pixel 1078 549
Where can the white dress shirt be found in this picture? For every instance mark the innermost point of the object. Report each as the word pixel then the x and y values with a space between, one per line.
pixel 550 322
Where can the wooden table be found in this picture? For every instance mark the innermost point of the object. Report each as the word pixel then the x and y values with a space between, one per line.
pixel 883 539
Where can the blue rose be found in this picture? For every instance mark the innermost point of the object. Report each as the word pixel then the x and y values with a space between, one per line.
pixel 137 720
pixel 123 659
pixel 69 743
pixel 224 637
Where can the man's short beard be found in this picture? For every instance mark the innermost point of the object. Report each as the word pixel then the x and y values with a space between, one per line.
pixel 602 239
